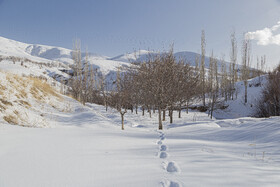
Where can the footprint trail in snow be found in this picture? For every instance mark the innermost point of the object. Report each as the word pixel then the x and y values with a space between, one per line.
pixel 170 166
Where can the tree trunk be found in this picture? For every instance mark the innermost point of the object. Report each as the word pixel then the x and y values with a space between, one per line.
pixel 180 113
pixel 212 105
pixel 187 107
pixel 163 115
pixel 136 111
pixel 150 112
pixel 171 116
pixel 245 83
pixel 203 97
pixel 143 111
pixel 159 119
pixel 232 92
pixel 122 115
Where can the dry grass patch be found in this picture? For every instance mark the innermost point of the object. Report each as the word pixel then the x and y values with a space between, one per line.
pixel 18 83
pixel 22 81
pixel 41 89
pixel 2 107
pixel 11 119
pixel 2 88
pixel 22 93
pixel 24 103
pixel 5 102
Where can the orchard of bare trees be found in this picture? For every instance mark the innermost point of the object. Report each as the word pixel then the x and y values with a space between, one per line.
pixel 164 83
pixel 160 84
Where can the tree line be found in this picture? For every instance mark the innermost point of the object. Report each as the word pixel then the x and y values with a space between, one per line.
pixel 163 84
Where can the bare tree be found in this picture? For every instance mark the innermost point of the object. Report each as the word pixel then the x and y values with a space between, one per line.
pixel 233 61
pixel 76 79
pixel 118 98
pixel 269 105
pixel 246 55
pixel 202 66
pixel 215 87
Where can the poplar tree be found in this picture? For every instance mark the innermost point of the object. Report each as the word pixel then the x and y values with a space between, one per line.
pixel 246 54
pixel 202 66
pixel 233 61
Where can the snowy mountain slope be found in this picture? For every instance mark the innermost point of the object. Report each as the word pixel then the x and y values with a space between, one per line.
pixel 143 55
pixel 53 55
pixel 237 108
pixel 58 57
pixel 140 55
pixel 24 100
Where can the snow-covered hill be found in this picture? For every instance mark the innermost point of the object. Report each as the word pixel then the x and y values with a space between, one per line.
pixel 143 55
pixel 53 56
pixel 237 108
pixel 61 57
pixel 25 101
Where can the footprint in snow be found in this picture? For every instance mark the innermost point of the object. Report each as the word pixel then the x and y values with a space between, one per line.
pixel 159 142
pixel 163 148
pixel 174 184
pixel 163 155
pixel 170 184
pixel 161 136
pixel 172 167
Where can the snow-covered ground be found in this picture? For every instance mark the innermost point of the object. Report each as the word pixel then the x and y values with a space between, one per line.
pixel 237 108
pixel 85 147
pixel 66 144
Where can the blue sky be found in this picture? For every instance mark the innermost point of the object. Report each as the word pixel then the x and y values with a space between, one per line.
pixel 113 27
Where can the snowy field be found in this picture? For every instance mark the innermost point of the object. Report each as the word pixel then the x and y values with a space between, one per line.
pixel 74 145
pixel 85 147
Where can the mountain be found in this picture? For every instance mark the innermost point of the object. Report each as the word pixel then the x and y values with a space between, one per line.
pixel 52 54
pixel 186 56
pixel 50 60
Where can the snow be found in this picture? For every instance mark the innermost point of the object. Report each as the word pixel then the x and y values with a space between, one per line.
pixel 188 57
pixel 68 144
pixel 85 147
pixel 237 107
pixel 54 55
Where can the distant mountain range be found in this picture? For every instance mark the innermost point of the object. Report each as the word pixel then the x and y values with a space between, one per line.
pixel 44 53
pixel 56 57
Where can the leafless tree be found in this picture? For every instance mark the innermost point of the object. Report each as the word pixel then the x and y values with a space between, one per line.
pixel 76 79
pixel 202 66
pixel 233 61
pixel 246 59
pixel 269 105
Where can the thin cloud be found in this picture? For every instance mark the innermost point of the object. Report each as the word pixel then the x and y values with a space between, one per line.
pixel 266 36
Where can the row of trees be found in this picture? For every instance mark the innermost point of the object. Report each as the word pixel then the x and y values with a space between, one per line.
pixel 87 84
pixel 160 84
pixel 163 83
